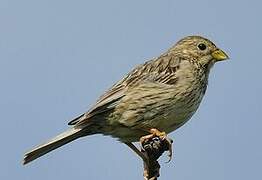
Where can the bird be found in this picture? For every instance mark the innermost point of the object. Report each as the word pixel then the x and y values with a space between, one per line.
pixel 153 99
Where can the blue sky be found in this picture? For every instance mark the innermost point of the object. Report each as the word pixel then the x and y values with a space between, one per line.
pixel 57 57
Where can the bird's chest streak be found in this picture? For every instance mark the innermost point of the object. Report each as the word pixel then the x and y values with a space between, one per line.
pixel 182 109
pixel 188 93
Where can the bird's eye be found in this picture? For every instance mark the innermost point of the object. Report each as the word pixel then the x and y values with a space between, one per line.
pixel 202 46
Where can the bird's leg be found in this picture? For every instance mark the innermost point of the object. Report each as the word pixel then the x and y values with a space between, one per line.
pixel 156 143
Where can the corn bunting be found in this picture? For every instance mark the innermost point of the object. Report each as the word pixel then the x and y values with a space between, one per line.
pixel 155 98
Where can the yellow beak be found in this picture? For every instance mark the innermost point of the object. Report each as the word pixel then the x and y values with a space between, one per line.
pixel 219 55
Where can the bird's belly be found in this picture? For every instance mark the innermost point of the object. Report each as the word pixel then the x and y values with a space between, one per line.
pixel 178 113
pixel 174 119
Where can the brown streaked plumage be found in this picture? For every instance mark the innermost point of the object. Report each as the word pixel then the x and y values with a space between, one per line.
pixel 163 93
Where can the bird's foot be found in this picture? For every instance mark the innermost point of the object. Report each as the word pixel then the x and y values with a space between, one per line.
pixel 153 146
pixel 156 143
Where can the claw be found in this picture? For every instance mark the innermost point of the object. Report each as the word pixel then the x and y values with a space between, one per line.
pixel 170 152
pixel 157 143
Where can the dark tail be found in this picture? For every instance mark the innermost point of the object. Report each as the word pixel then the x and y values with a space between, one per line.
pixel 52 144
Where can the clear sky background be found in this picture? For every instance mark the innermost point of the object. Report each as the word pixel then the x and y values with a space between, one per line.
pixel 58 56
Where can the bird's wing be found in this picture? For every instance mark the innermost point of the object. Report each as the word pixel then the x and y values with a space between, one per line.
pixel 160 70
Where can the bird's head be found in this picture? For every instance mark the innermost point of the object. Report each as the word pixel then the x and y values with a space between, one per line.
pixel 200 49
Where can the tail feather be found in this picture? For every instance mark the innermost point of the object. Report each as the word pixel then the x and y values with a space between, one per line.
pixel 52 144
